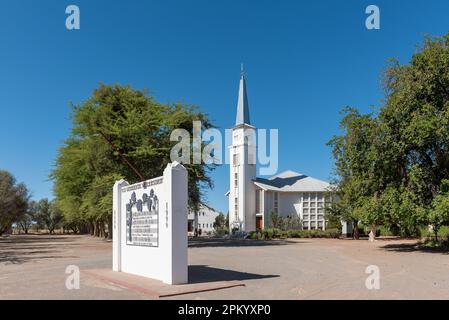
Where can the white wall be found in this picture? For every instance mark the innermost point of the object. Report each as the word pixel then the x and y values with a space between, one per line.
pixel 289 204
pixel 168 260
pixel 205 218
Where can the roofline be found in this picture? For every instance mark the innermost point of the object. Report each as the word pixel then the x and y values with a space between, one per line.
pixel 276 189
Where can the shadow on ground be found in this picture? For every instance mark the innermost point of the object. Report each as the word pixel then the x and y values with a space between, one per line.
pixel 205 242
pixel 201 274
pixel 412 247
pixel 26 248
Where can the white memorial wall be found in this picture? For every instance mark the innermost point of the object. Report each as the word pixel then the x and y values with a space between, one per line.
pixel 149 226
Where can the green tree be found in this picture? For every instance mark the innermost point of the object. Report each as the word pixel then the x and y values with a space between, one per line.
pixel 439 214
pixel 29 218
pixel 49 214
pixel 220 221
pixel 119 133
pixel 390 164
pixel 13 201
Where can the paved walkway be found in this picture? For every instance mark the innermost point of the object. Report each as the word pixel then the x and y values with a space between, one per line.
pixel 33 267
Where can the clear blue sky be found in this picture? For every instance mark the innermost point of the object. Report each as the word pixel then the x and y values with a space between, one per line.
pixel 304 61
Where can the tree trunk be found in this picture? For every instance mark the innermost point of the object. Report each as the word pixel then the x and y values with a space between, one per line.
pixel 373 230
pixel 110 228
pixel 355 230
pixel 91 228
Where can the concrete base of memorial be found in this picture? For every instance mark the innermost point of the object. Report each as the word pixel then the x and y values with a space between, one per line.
pixel 155 288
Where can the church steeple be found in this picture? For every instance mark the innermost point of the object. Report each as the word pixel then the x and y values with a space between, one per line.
pixel 242 105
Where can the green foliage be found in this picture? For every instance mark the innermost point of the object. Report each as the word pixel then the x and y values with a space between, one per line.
pixel 220 221
pixel 221 225
pixel 391 164
pixel 13 201
pixel 49 215
pixel 277 221
pixel 118 133
pixel 439 214
pixel 26 221
pixel 274 233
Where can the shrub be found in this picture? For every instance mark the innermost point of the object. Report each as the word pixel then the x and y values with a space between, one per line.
pixel 274 233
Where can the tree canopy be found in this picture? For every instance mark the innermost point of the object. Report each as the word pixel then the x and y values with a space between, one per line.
pixel 13 201
pixel 391 164
pixel 119 132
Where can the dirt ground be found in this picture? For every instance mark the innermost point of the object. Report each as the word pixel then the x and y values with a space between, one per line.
pixel 34 267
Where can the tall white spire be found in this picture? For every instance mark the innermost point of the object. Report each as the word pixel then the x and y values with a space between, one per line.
pixel 242 104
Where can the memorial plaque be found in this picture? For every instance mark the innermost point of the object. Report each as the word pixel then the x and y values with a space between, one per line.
pixel 142 220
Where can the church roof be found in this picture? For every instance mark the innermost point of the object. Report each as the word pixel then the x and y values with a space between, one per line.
pixel 242 104
pixel 291 181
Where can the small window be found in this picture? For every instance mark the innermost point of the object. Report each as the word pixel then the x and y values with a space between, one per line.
pixel 305 210
pixel 305 205
pixel 235 159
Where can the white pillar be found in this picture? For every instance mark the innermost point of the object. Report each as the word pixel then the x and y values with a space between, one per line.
pixel 176 219
pixel 116 221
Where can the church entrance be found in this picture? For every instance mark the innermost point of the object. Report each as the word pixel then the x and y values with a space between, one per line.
pixel 259 223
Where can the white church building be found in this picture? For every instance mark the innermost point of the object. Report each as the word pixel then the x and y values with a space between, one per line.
pixel 251 199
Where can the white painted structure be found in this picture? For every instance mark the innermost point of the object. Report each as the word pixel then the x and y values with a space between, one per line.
pixel 202 220
pixel 149 223
pixel 251 199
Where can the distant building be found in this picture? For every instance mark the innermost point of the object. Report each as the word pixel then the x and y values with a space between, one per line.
pixel 202 220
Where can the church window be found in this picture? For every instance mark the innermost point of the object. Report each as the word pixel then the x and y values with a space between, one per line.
pixel 235 159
